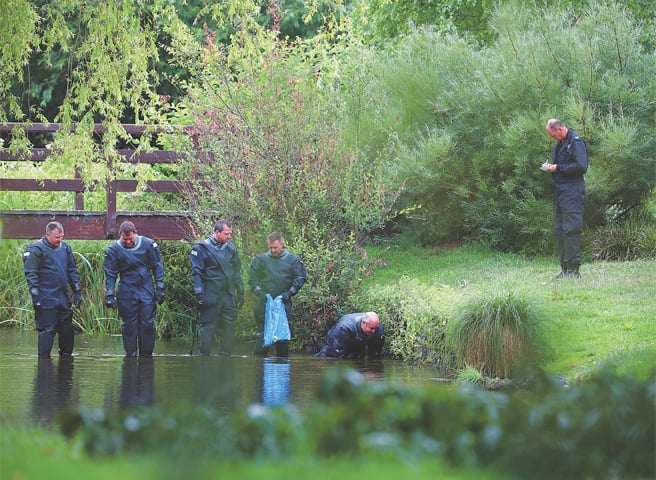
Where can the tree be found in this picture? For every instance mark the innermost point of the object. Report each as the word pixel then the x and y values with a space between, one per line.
pixel 464 126
pixel 272 160
pixel 380 20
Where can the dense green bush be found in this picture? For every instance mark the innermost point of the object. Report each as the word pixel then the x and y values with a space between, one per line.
pixel 602 428
pixel 416 317
pixel 462 127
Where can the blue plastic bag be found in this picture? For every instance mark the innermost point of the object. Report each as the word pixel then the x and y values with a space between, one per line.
pixel 276 326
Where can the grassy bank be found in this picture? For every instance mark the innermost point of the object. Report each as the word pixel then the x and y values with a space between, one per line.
pixel 606 315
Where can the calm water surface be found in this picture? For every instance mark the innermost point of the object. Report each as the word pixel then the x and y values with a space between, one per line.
pixel 33 390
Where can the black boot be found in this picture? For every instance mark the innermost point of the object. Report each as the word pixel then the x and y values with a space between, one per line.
pixel 572 273
pixel 259 349
pixel 282 349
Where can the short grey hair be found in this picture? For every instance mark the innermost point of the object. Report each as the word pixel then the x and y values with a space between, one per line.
pixel 54 226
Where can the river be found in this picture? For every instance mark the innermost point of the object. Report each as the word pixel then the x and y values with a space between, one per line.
pixel 34 390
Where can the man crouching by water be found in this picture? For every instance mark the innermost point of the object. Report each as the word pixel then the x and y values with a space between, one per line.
pixel 354 334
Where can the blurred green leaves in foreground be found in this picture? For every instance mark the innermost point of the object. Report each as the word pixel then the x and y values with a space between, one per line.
pixel 540 427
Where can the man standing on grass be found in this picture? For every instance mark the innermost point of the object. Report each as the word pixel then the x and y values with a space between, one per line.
pixel 569 162
pixel 50 269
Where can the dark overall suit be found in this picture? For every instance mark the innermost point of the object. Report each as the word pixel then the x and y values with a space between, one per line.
pixel 571 159
pixel 49 272
pixel 136 296
pixel 347 340
pixel 283 275
pixel 216 274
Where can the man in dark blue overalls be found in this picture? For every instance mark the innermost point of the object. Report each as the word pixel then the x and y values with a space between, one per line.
pixel 355 335
pixel 218 287
pixel 569 162
pixel 136 260
pixel 50 269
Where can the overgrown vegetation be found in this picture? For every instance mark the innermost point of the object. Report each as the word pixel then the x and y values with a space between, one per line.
pixel 416 318
pixel 316 138
pixel 630 237
pixel 496 333
pixel 463 126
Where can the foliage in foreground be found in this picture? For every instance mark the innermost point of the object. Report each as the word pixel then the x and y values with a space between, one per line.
pixel 604 427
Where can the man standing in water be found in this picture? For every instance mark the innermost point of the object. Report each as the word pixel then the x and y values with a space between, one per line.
pixel 218 287
pixel 136 260
pixel 276 272
pixel 50 268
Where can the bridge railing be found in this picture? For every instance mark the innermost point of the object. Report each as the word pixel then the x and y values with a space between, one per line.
pixel 88 224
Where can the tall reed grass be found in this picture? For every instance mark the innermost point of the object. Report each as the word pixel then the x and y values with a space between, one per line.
pixel 93 317
pixel 494 333
pixel 629 238
pixel 15 301
pixel 174 318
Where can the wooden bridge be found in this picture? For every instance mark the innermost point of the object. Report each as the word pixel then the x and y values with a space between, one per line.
pixel 87 224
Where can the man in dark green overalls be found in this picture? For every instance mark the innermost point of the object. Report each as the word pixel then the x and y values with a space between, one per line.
pixel 219 291
pixel 276 272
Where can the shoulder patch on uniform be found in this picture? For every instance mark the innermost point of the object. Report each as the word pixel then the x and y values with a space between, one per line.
pixel 26 254
pixel 194 253
pixel 155 244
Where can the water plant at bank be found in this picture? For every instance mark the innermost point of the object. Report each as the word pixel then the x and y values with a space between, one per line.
pixel 495 332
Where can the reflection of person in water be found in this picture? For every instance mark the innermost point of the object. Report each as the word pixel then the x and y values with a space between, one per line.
pixel 137 381
pixel 216 384
pixel 276 373
pixel 52 388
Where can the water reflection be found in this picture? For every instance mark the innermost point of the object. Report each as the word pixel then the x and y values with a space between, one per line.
pixel 52 388
pixel 372 368
pixel 137 382
pixel 99 376
pixel 216 384
pixel 276 379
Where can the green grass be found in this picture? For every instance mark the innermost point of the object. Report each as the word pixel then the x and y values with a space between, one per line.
pixel 607 314
pixel 40 454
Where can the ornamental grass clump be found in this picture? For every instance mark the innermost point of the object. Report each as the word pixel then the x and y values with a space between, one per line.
pixel 495 333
